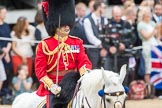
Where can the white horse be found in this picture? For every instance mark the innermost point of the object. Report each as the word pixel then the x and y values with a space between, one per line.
pixel 99 89
pixel 27 100
pixel 107 83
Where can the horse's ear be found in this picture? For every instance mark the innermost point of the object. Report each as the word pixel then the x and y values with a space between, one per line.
pixel 123 71
pixel 103 74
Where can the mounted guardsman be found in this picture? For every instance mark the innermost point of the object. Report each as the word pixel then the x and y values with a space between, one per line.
pixel 60 53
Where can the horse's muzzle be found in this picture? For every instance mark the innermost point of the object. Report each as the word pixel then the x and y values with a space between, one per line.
pixel 118 104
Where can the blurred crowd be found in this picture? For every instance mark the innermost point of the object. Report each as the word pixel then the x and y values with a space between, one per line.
pixel 115 41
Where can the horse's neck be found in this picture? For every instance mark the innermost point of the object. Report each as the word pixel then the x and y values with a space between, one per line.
pixel 91 84
pixel 93 80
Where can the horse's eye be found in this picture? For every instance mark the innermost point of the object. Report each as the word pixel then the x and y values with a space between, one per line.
pixel 108 100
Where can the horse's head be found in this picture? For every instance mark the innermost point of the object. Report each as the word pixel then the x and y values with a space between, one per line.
pixel 113 92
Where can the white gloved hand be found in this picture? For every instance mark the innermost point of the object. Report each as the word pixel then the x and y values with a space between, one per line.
pixel 83 75
pixel 55 89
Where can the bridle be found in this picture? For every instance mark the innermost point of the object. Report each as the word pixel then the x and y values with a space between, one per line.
pixel 117 93
pixel 103 99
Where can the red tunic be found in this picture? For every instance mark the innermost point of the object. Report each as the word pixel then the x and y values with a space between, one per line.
pixel 71 59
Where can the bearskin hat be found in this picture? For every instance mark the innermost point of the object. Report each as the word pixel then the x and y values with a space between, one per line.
pixel 53 9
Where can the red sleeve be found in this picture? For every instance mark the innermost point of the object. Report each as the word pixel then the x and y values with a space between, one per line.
pixel 82 58
pixel 40 62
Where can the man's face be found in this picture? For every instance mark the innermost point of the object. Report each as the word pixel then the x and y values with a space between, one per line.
pixel 158 10
pixel 91 3
pixel 82 12
pixel 64 30
pixel 117 16
pixel 3 13
pixel 102 8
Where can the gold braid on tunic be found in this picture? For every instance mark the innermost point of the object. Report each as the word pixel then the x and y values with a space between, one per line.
pixel 63 47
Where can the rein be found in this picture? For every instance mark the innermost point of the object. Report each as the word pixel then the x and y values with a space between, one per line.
pixel 75 94
pixel 87 102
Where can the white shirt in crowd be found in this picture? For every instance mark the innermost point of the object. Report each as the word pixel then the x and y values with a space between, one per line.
pixel 89 31
pixel 157 18
pixel 43 31
pixel 24 46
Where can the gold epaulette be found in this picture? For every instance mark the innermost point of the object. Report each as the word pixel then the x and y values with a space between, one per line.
pixel 41 42
pixel 37 46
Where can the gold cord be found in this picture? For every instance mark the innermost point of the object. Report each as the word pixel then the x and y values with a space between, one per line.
pixel 62 47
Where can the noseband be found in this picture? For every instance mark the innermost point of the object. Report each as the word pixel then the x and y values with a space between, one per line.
pixel 118 93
